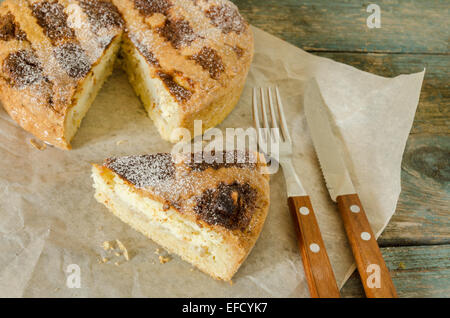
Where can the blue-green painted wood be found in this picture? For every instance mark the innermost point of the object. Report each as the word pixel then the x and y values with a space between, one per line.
pixel 407 26
pixel 433 112
pixel 417 271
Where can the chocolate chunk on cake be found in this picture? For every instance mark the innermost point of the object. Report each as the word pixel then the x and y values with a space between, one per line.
pixel 210 214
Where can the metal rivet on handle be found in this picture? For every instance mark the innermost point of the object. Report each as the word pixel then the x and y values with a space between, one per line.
pixel 304 210
pixel 315 248
pixel 355 209
pixel 365 236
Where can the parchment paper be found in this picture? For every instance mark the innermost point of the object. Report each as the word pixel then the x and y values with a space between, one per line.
pixel 50 220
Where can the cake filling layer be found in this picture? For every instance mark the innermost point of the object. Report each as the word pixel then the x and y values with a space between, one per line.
pixel 89 89
pixel 160 104
pixel 203 247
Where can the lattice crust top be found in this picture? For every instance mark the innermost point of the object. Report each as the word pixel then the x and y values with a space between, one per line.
pixel 47 49
pixel 222 194
pixel 198 48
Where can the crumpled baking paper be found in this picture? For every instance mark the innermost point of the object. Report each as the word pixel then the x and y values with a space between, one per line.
pixel 52 229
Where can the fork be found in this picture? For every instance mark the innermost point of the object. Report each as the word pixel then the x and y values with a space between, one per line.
pixel 317 266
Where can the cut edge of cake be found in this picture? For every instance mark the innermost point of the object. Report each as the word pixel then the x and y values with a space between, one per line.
pixel 52 105
pixel 89 88
pixel 213 249
pixel 167 114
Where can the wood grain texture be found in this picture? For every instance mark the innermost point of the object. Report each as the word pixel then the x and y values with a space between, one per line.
pixel 418 33
pixel 421 217
pixel 433 111
pixel 416 221
pixel 423 211
pixel 417 271
pixel 374 273
pixel 317 266
pixel 322 25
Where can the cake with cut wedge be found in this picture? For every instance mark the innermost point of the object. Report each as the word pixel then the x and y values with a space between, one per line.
pixel 54 58
pixel 186 60
pixel 209 213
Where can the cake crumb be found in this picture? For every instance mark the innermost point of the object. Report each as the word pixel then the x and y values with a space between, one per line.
pixel 118 143
pixel 103 260
pixel 123 249
pixel 38 145
pixel 231 283
pixel 157 251
pixel 107 246
pixel 117 263
pixel 164 259
pixel 115 249
pixel 401 265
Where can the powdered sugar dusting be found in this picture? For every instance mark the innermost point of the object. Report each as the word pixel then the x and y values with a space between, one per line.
pixel 143 171
pixel 178 32
pixel 51 17
pixel 73 59
pixel 209 60
pixel 23 68
pixel 102 14
pixel 9 29
pixel 227 18
pixel 196 186
pixel 149 7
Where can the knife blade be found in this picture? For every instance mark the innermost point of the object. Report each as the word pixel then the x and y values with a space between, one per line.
pixel 372 269
pixel 326 144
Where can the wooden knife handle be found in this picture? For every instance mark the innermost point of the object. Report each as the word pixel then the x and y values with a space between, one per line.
pixel 318 270
pixel 374 273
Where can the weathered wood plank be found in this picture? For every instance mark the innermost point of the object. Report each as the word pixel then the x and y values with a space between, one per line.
pixel 423 211
pixel 322 25
pixel 422 215
pixel 417 271
pixel 433 112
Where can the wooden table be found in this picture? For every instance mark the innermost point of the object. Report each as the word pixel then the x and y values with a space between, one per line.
pixel 414 35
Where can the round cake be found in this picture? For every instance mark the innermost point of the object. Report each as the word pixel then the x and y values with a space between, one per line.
pixel 186 59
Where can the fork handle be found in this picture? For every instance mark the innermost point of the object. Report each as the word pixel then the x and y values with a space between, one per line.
pixel 318 270
pixel 374 273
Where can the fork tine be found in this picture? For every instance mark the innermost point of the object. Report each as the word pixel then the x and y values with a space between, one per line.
pixel 256 115
pixel 284 127
pixel 266 127
pixel 272 114
pixel 263 109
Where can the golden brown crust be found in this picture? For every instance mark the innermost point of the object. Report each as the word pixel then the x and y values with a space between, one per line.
pixel 203 47
pixel 59 35
pixel 229 198
pixel 200 50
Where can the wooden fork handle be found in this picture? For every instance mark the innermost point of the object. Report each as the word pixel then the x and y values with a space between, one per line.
pixel 374 273
pixel 318 270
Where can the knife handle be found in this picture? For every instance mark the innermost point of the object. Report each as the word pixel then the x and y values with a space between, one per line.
pixel 374 273
pixel 318 270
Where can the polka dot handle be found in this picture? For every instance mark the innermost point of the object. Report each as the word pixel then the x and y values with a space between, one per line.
pixel 372 269
pixel 318 270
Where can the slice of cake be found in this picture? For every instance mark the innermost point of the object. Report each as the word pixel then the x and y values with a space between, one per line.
pixel 54 58
pixel 187 60
pixel 210 214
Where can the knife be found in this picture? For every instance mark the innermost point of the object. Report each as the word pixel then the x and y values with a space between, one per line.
pixel 374 273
